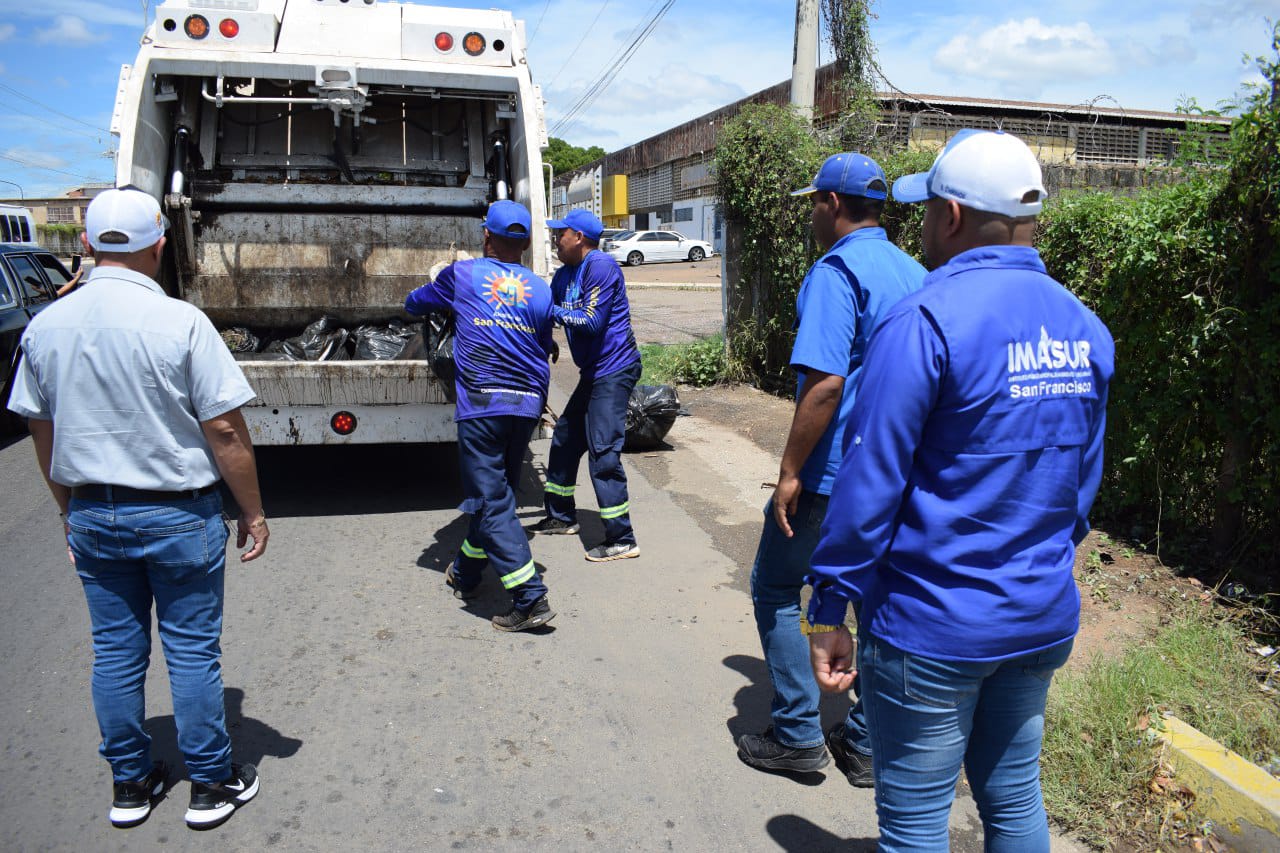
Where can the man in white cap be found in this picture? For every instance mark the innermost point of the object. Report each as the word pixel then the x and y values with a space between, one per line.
pixel 133 402
pixel 974 452
pixel 842 298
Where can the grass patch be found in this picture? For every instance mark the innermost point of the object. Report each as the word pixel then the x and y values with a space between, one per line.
pixel 1098 762
pixel 699 363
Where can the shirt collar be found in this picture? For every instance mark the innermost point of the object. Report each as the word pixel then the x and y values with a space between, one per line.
pixel 988 257
pixel 125 274
pixel 872 233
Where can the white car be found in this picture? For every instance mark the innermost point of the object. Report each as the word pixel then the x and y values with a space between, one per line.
pixel 637 247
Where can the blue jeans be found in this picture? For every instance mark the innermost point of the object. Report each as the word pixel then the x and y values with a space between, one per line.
pixel 129 555
pixel 594 421
pixel 776 580
pixel 929 716
pixel 491 451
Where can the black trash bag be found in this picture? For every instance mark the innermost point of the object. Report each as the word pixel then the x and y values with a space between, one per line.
pixel 240 340
pixel 385 341
pixel 651 412
pixel 323 340
pixel 442 363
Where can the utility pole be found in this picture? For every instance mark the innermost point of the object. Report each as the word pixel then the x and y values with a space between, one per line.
pixel 804 58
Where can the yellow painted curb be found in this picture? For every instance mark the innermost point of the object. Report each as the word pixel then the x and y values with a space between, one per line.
pixel 1240 797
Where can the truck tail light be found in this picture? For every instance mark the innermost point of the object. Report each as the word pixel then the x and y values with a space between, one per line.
pixel 196 26
pixel 473 44
pixel 229 28
pixel 444 42
pixel 343 423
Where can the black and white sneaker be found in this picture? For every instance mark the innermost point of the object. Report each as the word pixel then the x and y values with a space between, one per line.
pixel 538 614
pixel 211 804
pixel 551 525
pixel 132 801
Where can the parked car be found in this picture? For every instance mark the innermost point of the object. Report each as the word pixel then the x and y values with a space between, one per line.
pixel 609 233
pixel 636 247
pixel 29 282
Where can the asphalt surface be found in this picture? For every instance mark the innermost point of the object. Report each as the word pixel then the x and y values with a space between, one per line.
pixel 383 714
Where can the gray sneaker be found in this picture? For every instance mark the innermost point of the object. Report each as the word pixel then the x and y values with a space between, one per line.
pixel 606 551
pixel 538 614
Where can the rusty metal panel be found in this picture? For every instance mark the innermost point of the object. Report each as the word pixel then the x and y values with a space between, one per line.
pixel 289 269
pixel 343 383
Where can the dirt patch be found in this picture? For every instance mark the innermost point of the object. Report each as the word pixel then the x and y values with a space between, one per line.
pixel 1125 593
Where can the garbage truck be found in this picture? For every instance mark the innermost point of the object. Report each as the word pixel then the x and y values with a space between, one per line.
pixel 317 159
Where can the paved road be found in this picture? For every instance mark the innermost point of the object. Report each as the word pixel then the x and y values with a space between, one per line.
pixel 385 715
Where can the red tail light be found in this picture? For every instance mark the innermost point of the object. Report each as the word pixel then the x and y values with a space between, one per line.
pixel 196 26
pixel 343 423
pixel 229 28
pixel 444 42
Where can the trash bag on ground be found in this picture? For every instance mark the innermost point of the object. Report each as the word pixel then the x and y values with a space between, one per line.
pixel 387 341
pixel 651 412
pixel 239 339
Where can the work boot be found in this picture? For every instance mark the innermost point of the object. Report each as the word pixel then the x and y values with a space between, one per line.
pixel 606 551
pixel 213 803
pixel 855 765
pixel 131 801
pixel 451 581
pixel 538 614
pixel 763 752
pixel 556 526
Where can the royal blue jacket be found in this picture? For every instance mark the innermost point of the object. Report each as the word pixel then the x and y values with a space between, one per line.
pixel 841 300
pixel 591 303
pixel 974 453
pixel 503 338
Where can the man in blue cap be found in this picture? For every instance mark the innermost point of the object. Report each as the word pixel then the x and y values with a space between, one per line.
pixel 503 340
pixel 974 454
pixel 591 303
pixel 841 300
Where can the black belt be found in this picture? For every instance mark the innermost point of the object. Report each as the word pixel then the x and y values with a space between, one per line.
pixel 127 495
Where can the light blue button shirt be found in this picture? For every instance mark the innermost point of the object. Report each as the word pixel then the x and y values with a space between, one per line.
pixel 127 374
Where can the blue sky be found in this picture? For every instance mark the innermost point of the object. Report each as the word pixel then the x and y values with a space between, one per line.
pixel 60 59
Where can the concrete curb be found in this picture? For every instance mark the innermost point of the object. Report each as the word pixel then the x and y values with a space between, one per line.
pixel 1241 798
pixel 670 285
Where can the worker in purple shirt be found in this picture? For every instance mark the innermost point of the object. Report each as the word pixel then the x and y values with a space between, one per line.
pixel 973 455
pixel 591 303
pixel 503 323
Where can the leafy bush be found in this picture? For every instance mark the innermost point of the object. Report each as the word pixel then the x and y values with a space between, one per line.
pixel 700 363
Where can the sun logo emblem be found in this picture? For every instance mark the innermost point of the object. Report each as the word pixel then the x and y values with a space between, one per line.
pixel 505 289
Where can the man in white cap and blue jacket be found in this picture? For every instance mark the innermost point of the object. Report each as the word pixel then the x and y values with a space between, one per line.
pixel 974 453
pixel 841 300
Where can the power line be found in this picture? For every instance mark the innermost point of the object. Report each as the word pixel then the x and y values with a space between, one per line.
pixel 574 52
pixel 45 168
pixel 539 24
pixel 14 91
pixel 602 83
pixel 95 137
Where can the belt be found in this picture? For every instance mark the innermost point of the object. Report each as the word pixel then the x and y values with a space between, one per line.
pixel 127 495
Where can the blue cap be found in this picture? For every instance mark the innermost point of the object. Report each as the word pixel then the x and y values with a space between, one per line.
pixel 509 219
pixel 580 220
pixel 850 173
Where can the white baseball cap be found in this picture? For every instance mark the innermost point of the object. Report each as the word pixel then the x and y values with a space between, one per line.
pixel 124 220
pixel 983 170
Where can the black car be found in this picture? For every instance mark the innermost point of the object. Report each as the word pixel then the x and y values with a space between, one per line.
pixel 29 282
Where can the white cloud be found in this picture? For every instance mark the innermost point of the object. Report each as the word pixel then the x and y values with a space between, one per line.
pixel 70 31
pixel 1225 13
pixel 1025 55
pixel 35 159
pixel 91 11
pixel 7 31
